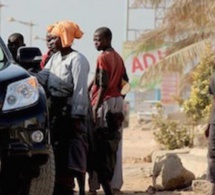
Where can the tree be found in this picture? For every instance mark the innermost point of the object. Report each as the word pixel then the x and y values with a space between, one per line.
pixel 187 25
pixel 197 106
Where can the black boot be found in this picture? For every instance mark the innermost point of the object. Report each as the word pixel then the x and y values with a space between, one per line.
pixel 63 190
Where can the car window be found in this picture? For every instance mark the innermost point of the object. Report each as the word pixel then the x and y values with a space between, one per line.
pixel 2 58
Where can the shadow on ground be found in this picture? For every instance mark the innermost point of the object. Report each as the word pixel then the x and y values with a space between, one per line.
pixel 147 193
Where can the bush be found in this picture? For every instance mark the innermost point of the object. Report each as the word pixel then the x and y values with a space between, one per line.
pixel 170 135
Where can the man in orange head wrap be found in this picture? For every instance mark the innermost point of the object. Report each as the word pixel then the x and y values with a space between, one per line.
pixel 65 76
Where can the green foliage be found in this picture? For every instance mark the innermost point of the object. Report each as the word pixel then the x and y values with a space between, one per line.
pixel 171 135
pixel 197 106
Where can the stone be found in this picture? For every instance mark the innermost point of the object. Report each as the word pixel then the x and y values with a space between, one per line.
pixel 190 158
pixel 169 174
pixel 200 186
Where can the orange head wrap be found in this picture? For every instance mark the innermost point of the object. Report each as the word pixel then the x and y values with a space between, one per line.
pixel 67 31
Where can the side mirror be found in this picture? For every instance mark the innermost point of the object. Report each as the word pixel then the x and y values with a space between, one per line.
pixel 29 57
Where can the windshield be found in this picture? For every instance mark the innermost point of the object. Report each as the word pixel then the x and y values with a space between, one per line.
pixel 2 61
pixel 5 54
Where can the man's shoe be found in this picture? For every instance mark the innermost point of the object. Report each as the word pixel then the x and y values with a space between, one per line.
pixel 92 192
pixel 116 191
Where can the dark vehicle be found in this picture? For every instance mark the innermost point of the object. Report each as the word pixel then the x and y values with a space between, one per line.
pixel 26 156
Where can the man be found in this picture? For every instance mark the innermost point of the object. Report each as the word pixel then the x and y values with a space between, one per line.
pixel 210 134
pixel 105 91
pixel 15 41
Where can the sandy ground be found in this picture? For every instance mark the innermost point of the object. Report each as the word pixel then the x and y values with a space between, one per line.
pixel 138 143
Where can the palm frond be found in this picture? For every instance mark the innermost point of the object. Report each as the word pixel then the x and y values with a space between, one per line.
pixel 186 26
pixel 175 62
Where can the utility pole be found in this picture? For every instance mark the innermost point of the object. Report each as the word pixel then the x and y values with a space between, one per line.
pixel 1 6
pixel 29 24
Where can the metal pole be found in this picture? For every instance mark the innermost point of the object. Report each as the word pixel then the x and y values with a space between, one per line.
pixel 31 35
pixel 127 20
pixel 1 6
pixel 29 24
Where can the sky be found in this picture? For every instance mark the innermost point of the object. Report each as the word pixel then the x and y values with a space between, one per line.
pixel 88 14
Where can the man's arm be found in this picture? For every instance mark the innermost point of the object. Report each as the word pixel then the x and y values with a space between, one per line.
pixel 100 98
pixel 103 84
pixel 126 79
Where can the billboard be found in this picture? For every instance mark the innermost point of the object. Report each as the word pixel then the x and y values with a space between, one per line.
pixel 136 65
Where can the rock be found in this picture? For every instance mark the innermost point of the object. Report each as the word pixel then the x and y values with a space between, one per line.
pixel 169 173
pixel 196 158
pixel 151 190
pixel 190 158
pixel 148 158
pixel 201 187
pixel 157 153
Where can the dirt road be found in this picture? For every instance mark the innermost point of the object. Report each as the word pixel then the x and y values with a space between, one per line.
pixel 138 144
